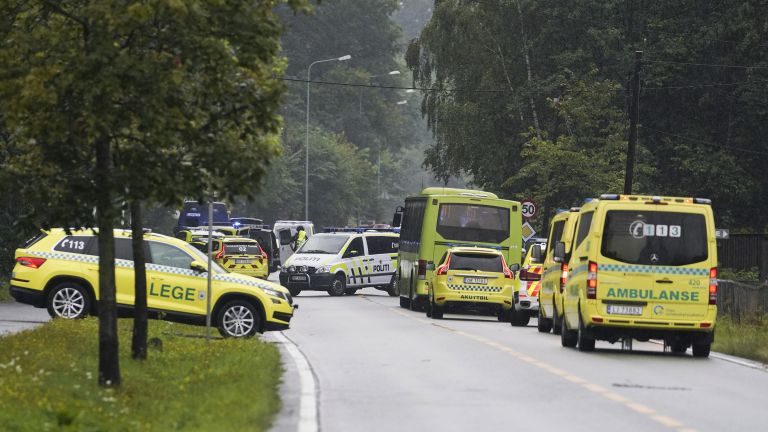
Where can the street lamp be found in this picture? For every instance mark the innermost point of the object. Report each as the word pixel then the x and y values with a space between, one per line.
pixel 306 161
pixel 360 94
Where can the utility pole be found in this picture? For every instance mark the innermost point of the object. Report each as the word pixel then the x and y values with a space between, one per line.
pixel 634 116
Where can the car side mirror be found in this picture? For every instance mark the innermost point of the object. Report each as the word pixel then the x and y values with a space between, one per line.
pixel 198 267
pixel 430 266
pixel 514 267
pixel 536 253
pixel 559 255
pixel 285 237
pixel 397 219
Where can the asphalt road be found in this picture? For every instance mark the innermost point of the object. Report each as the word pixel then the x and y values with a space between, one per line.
pixel 383 368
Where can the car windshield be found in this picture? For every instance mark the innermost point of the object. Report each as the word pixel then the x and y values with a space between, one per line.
pixel 476 262
pixel 323 244
pixel 203 258
pixel 655 238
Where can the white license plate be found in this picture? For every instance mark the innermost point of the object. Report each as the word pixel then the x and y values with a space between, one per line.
pixel 242 261
pixel 300 278
pixel 625 310
pixel 476 280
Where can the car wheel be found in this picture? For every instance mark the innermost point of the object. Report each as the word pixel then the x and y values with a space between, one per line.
pixel 519 318
pixel 338 286
pixel 585 342
pixel 392 288
pixel 238 319
pixel 350 291
pixel 568 338
pixel 557 321
pixel 504 315
pixel 68 300
pixel 701 350
pixel 678 347
pixel 294 291
pixel 404 303
pixel 545 324
pixel 435 311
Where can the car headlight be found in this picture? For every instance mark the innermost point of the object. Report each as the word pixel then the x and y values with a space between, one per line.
pixel 274 293
pixel 323 269
pixel 291 269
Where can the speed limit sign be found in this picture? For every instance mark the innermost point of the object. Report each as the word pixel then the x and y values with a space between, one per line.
pixel 529 209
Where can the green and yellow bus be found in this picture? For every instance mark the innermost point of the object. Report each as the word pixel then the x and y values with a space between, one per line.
pixel 439 218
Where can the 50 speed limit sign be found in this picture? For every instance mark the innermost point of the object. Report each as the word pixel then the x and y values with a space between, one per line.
pixel 529 208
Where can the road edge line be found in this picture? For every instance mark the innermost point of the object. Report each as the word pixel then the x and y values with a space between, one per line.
pixel 308 404
pixel 752 364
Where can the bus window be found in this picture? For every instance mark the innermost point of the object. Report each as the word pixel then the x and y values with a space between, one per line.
pixel 474 223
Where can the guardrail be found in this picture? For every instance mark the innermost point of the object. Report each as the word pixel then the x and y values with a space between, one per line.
pixel 741 301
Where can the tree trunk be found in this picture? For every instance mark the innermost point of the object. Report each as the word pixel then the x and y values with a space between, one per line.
pixel 109 361
pixel 139 342
pixel 529 71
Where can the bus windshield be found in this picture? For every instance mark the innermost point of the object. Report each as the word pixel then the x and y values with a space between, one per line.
pixel 473 223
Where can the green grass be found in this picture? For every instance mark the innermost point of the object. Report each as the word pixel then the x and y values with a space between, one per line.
pixel 48 380
pixel 747 340
pixel 5 295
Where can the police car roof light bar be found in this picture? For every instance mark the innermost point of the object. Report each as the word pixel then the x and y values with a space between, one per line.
pixel 612 197
pixel 702 201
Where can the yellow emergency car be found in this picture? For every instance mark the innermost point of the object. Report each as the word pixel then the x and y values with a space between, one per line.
pixel 60 272
pixel 343 262
pixel 554 273
pixel 241 255
pixel 472 279
pixel 642 267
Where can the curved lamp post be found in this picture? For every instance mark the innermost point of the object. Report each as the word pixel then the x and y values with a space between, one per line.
pixel 306 161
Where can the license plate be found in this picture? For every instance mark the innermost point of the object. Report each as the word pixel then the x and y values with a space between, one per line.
pixel 625 310
pixel 242 261
pixel 475 280
pixel 299 278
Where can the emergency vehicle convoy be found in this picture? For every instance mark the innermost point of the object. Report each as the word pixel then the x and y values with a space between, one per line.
pixel 343 262
pixel 440 218
pixel 641 267
pixel 60 272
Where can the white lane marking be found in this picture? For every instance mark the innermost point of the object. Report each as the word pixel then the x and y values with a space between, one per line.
pixel 730 359
pixel 308 415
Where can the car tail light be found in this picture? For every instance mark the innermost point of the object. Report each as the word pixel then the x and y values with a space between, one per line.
pixel 529 276
pixel 592 280
pixel 508 274
pixel 422 269
pixel 563 276
pixel 261 251
pixel 31 262
pixel 713 286
pixel 443 269
pixel 220 254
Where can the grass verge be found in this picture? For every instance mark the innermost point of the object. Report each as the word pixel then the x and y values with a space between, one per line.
pixel 48 380
pixel 747 340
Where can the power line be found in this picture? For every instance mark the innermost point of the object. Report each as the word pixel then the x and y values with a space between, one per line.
pixel 707 143
pixel 706 64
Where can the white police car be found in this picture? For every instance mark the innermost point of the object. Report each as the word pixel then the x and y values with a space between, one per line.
pixel 343 262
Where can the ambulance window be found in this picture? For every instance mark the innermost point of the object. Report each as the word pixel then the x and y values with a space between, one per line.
pixel 654 238
pixel 355 245
pixel 557 232
pixel 169 256
pixel 381 244
pixel 584 224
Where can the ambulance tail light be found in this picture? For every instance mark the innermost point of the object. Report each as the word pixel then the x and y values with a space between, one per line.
pixel 443 269
pixel 422 269
pixel 31 262
pixel 563 276
pixel 592 280
pixel 713 286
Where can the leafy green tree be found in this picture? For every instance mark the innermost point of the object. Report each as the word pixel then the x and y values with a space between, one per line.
pixel 111 101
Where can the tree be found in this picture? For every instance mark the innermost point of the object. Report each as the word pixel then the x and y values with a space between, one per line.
pixel 111 101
